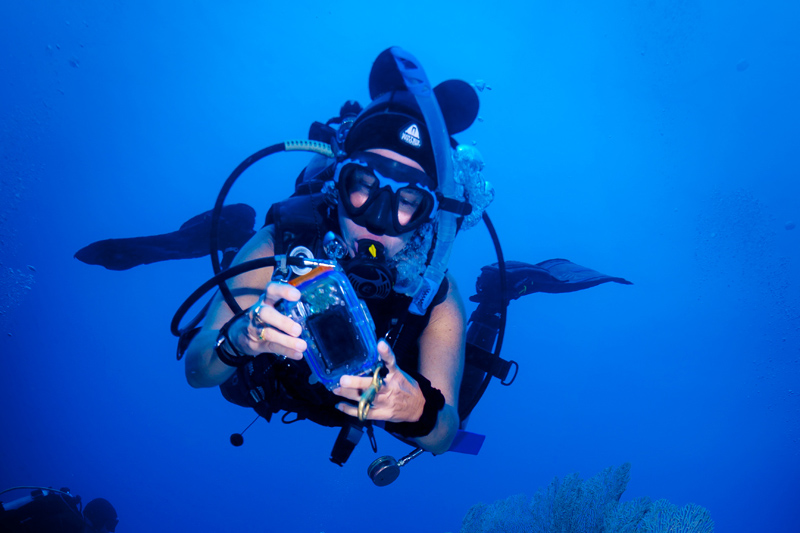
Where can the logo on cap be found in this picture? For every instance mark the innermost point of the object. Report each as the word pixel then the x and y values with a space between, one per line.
pixel 410 136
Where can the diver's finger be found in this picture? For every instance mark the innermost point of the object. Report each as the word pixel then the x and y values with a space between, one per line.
pixel 278 290
pixel 355 382
pixel 375 413
pixel 255 340
pixel 350 410
pixel 266 315
pixel 350 394
pixel 387 355
pixel 270 339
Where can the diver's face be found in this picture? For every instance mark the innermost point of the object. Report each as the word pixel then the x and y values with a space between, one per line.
pixel 352 232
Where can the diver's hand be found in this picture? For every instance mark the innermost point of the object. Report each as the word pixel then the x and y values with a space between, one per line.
pixel 265 329
pixel 398 400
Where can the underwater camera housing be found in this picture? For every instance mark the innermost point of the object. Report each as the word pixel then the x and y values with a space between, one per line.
pixel 336 325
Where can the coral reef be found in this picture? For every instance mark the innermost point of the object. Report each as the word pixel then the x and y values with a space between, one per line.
pixel 572 505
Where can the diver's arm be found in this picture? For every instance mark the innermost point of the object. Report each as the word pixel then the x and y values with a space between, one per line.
pixel 203 367
pixel 401 398
pixel 441 348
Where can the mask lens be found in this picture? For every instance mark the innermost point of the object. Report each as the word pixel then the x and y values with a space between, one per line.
pixel 360 186
pixel 410 204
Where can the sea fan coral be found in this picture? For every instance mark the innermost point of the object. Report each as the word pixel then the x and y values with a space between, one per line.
pixel 572 505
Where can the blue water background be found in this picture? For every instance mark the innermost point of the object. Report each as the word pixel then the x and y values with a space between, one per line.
pixel 654 140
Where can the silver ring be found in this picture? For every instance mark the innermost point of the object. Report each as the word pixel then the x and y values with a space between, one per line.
pixel 255 314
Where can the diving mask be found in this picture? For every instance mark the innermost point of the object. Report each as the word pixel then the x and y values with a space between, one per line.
pixel 383 195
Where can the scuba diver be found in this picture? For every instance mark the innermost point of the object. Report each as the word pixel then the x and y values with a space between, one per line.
pixel 48 510
pixel 380 207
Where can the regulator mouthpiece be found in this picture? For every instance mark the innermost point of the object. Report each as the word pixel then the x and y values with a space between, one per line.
pixel 368 271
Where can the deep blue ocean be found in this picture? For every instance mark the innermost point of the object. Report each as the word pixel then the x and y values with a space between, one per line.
pixel 652 140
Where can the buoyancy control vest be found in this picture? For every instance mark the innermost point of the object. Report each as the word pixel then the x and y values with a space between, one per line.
pixel 270 384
